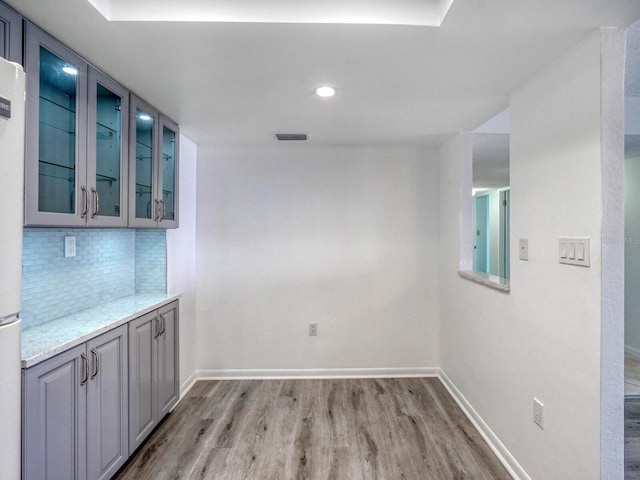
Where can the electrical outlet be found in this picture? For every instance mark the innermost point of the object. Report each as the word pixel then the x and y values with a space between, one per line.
pixel 69 246
pixel 538 412
pixel 313 329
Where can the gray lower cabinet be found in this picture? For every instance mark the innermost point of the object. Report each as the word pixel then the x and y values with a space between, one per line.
pixel 153 371
pixel 75 411
pixel 54 415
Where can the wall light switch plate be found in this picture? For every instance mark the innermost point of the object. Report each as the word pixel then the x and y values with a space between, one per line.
pixel 69 246
pixel 574 251
pixel 524 249
pixel 538 413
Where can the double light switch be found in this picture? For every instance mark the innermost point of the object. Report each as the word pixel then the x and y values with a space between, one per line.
pixel 575 251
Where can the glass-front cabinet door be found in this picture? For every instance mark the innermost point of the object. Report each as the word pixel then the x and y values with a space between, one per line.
pixel 143 205
pixel 107 149
pixel 153 167
pixel 56 132
pixel 169 174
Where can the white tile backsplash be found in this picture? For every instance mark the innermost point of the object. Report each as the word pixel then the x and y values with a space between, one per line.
pixel 107 266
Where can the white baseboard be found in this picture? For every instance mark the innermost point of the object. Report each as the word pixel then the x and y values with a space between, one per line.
pixel 188 383
pixel 634 352
pixel 508 460
pixel 319 373
pixel 503 454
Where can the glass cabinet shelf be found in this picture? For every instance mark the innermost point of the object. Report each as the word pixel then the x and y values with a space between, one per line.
pixel 59 129
pixel 108 129
pixel 44 101
pixel 143 189
pixel 105 178
pixel 60 172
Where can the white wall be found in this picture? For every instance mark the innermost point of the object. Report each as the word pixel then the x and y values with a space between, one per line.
pixel 544 338
pixel 288 235
pixel 181 259
pixel 632 255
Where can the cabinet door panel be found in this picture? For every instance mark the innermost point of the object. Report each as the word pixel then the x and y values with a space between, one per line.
pixel 108 149
pixel 107 401
pixel 10 34
pixel 56 132
pixel 167 358
pixel 168 174
pixel 143 127
pixel 54 413
pixel 142 351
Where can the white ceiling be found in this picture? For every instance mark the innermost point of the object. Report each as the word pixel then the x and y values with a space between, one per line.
pixel 238 83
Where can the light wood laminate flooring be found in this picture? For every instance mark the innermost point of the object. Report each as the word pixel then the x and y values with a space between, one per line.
pixel 316 429
pixel 632 438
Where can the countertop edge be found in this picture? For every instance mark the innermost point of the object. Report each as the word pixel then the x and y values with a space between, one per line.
pixel 492 281
pixel 52 352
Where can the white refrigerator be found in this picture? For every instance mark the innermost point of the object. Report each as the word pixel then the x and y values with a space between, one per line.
pixel 12 124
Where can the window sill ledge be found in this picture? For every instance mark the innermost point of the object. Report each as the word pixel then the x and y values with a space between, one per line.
pixel 491 281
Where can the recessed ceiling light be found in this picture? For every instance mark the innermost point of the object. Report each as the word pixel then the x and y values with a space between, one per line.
pixel 325 91
pixel 70 70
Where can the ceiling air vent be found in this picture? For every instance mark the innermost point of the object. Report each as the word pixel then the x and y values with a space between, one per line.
pixel 286 137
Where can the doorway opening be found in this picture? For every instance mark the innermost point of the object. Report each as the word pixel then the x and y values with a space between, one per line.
pixel 491 197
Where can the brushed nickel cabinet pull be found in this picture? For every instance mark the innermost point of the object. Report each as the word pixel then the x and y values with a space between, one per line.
pixel 85 200
pixel 96 363
pixel 164 209
pixel 163 325
pixel 96 203
pixel 85 369
pixel 156 216
pixel 158 332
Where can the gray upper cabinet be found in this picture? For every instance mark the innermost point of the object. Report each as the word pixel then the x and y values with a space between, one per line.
pixel 56 133
pixel 153 371
pixel 153 167
pixel 75 412
pixel 10 34
pixel 96 156
pixel 77 130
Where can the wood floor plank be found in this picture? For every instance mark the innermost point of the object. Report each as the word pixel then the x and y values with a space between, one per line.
pixel 632 438
pixel 378 429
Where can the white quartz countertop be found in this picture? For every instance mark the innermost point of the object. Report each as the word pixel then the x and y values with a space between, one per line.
pixel 48 339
